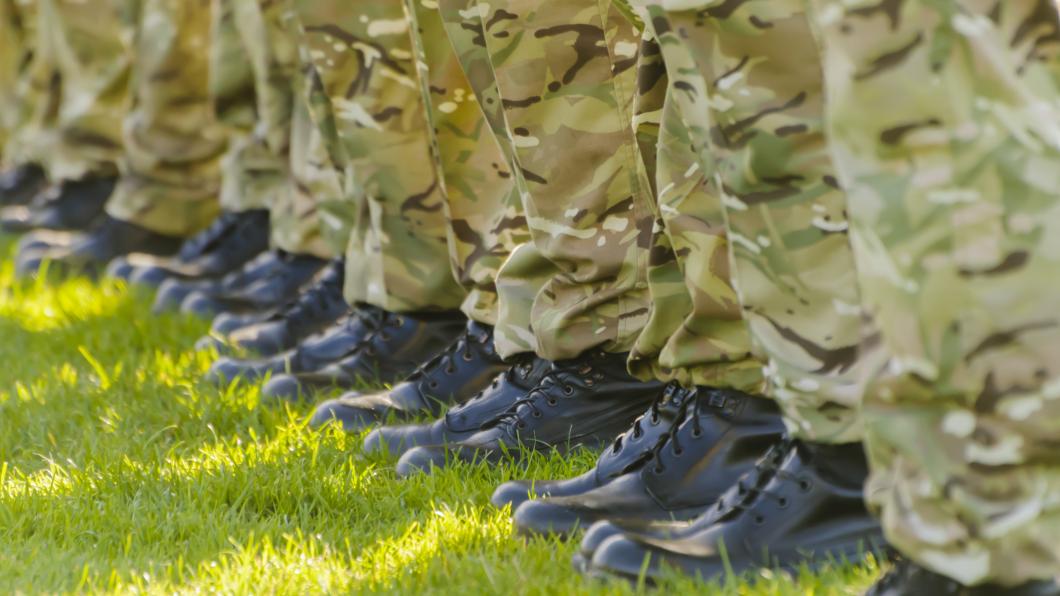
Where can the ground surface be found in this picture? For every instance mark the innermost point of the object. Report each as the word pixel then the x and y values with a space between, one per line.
pixel 120 471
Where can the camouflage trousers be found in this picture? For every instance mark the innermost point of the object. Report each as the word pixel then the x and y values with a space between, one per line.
pixel 750 100
pixel 945 126
pixel 482 204
pixel 562 79
pixel 16 49
pixel 255 82
pixel 170 171
pixel 75 92
pixel 368 102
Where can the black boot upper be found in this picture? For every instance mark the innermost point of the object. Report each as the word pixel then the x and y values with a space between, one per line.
pixel 314 353
pixel 789 513
pixel 717 440
pixel 389 353
pixel 311 312
pixel 277 286
pixel 90 252
pixel 458 423
pixel 68 205
pixel 627 452
pixel 454 375
pixel 20 184
pixel 174 291
pixel 586 401
pixel 909 579
pixel 229 243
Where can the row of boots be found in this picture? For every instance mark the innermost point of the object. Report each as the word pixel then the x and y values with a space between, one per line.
pixel 701 481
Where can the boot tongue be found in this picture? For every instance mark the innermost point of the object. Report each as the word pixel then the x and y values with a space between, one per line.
pixel 842 464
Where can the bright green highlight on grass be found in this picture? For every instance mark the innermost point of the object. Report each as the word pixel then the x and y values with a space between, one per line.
pixel 121 472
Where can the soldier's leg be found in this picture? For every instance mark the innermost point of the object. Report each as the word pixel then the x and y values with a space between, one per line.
pixel 944 125
pixel 173 142
pixel 566 79
pixel 20 179
pixel 372 122
pixel 750 85
pixel 485 223
pixel 586 199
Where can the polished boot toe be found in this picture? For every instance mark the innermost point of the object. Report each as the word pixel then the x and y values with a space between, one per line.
pixel 68 205
pixel 113 238
pixel 804 506
pixel 18 185
pixel 351 418
pixel 120 268
pixel 581 402
pixel 281 388
pixel 226 370
pixel 422 460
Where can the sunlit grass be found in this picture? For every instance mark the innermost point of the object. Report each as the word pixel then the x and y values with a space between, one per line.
pixel 120 471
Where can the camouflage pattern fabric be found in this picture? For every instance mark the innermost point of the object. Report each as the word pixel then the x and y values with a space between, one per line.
pixel 363 59
pixel 566 78
pixel 36 90
pixel 526 271
pixel 295 216
pixel 16 50
pixel 483 208
pixel 751 99
pixel 170 173
pixel 251 174
pixel 696 334
pixel 79 83
pixel 945 126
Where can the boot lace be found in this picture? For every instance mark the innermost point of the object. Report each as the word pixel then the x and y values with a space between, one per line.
pixel 445 362
pixel 751 489
pixel 210 237
pixel 317 299
pixel 672 444
pixel 557 381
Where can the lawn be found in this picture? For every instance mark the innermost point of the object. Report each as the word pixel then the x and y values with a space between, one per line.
pixel 121 471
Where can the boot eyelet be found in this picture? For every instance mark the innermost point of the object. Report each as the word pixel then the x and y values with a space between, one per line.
pixel 468 357
pixel 552 402
pixel 520 425
pixel 433 384
pixel 678 452
pixel 759 520
pixel 658 470
pixel 568 390
pixel 782 502
pixel 697 434
pixel 536 414
pixel 805 485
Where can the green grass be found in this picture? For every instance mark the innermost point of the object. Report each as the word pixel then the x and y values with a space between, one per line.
pixel 122 472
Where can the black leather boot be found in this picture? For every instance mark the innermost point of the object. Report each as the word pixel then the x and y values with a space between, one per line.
pixel 174 291
pixel 18 185
pixel 279 286
pixel 317 307
pixel 68 205
pixel 909 579
pixel 314 353
pixel 717 441
pixel 627 452
pixel 459 423
pixel 585 401
pixel 90 252
pixel 228 244
pixel 392 352
pixel 801 505
pixel 451 376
